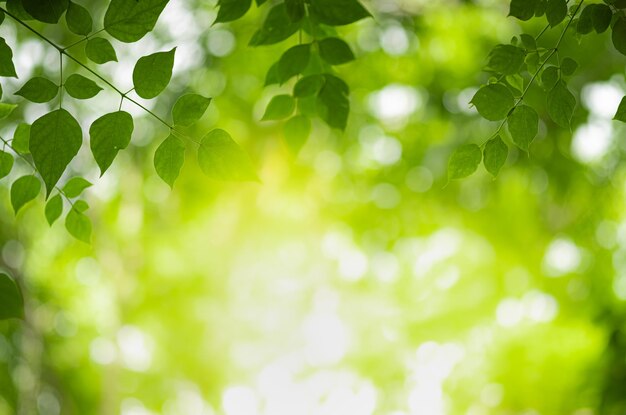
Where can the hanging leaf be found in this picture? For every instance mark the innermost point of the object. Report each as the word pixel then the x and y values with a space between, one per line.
pixel 23 190
pixel 309 85
pixel 129 21
pixel 494 155
pixel 619 35
pixel 568 66
pixel 54 209
pixel 523 9
pixel 556 10
pixel 6 60
pixel 77 224
pixel 108 135
pixel 335 51
pixel 11 301
pixel 152 73
pixel 523 124
pixel 21 138
pixel 338 12
pixel 16 8
pixel 295 9
pixel 601 16
pixel 232 10
pixel 333 104
pixel 189 108
pixel 39 90
pixel 100 50
pixel 506 59
pixel 80 87
pixel 297 130
pixel 75 186
pixel 6 164
pixel 281 106
pixel 549 77
pixel 276 27
pixel 48 11
pixel 6 109
pixel 293 62
pixel 561 104
pixel 493 101
pixel 464 161
pixel 169 158
pixel 221 158
pixel 78 19
pixel 55 139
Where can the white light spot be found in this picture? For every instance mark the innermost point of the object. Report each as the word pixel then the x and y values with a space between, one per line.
pixel 394 103
pixel 352 264
pixel 220 42
pixel 326 339
pixel 592 141
pixel 240 400
pixel 540 307
pixel 394 40
pixel 561 257
pixel 602 99
pixel 385 266
pixel 102 351
pixel 509 312
pixel 135 347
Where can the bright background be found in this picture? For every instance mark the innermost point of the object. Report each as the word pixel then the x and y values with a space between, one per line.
pixel 352 281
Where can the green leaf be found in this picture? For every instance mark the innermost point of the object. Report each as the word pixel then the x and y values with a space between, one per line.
pixel 77 224
pixel 6 109
pixel 494 155
pixel 276 27
pixel 297 130
pixel 309 85
pixel 549 77
pixel 601 16
pixel 295 9
pixel 108 135
pixel 333 104
pixel 6 164
pixel 506 59
pixel 80 87
pixel 523 9
pixel 129 21
pixel 189 108
pixel 6 60
pixel 585 20
pixel 169 159
pixel 23 190
pixel 528 41
pixel 281 106
pixel 221 158
pixel 75 186
pixel 523 124
pixel 16 8
pixel 152 73
pixel 561 104
pixel 39 90
pixel 493 101
pixel 620 115
pixel 232 10
pixel 464 161
pixel 293 62
pixel 54 209
pixel 338 12
pixel 78 19
pixel 568 66
pixel 48 11
pixel 100 51
pixel 55 139
pixel 21 138
pixel 335 51
pixel 11 301
pixel 619 35
pixel 272 75
pixel 556 11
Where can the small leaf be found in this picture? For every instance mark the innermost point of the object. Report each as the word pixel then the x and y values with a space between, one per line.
pixel 297 130
pixel 6 60
pixel 232 10
pixel 561 104
pixel 464 161
pixel 272 75
pixel 556 11
pixel 23 190
pixel 335 51
pixel 21 138
pixel 506 59
pixel 39 90
pixel 295 9
pixel 523 124
pixel 309 85
pixel 332 104
pixel 75 186
pixel 55 139
pixel 189 108
pixel 80 87
pixel 48 11
pixel 494 155
pixel 78 19
pixel 281 106
pixel 568 66
pixel 338 12
pixel 293 61
pixel 585 21
pixel 549 77
pixel 601 16
pixel 54 209
pixel 169 158
pixel 6 164
pixel 11 301
pixel 108 135
pixel 276 27
pixel 620 115
pixel 528 41
pixel 523 9
pixel 619 35
pixel 6 109
pixel 152 73
pixel 77 224
pixel 129 21
pixel 100 51
pixel 221 158
pixel 493 101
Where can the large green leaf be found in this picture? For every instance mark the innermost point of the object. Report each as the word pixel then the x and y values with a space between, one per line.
pixel 333 104
pixel 39 89
pixel 561 104
pixel 506 59
pixel 100 50
pixel 130 20
pixel 232 10
pixel 493 101
pixel 6 60
pixel 80 87
pixel 169 159
pixel 619 35
pixel 23 190
pixel 338 12
pixel 6 164
pixel 78 19
pixel 189 108
pixel 523 9
pixel 47 11
pixel 279 107
pixel 55 139
pixel 523 124
pixel 152 73
pixel 75 186
pixel 108 135
pixel 335 51
pixel 494 155
pixel 464 161
pixel 293 62
pixel 556 10
pixel 221 158
pixel 309 85
pixel 21 138
pixel 11 301
pixel 276 27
